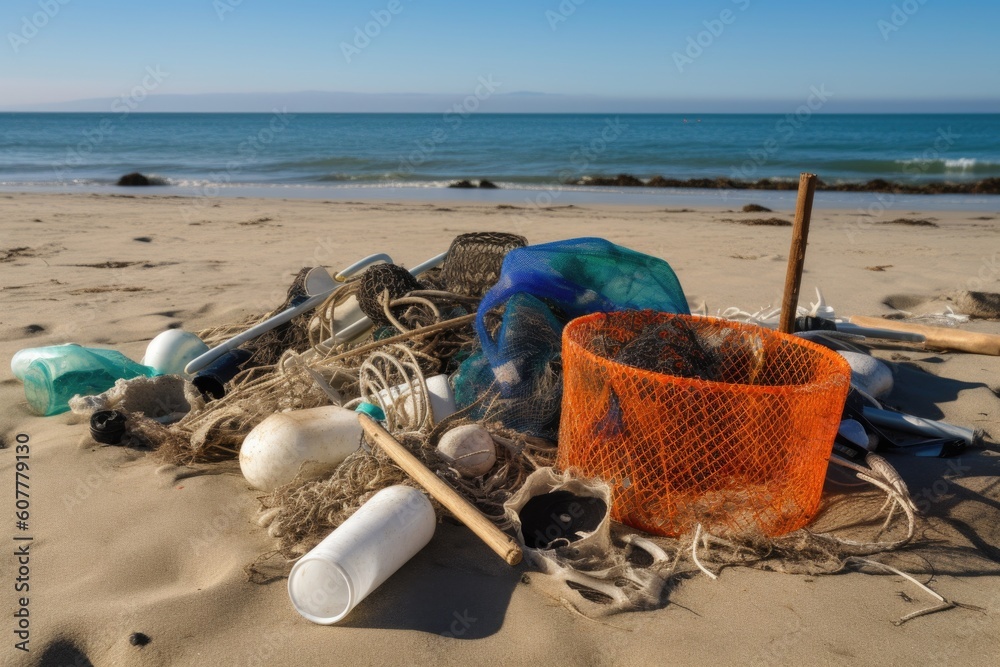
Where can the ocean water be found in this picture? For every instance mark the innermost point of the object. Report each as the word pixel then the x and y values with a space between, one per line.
pixel 209 153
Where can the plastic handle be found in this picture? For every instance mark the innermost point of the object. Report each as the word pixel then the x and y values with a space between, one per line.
pixel 204 360
pixel 357 328
pixel 362 264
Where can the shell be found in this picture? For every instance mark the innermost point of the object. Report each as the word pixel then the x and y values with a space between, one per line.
pixel 469 449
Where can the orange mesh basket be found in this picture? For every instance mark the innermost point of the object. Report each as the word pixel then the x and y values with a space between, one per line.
pixel 743 454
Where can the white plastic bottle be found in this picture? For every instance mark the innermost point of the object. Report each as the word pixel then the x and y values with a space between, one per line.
pixel 364 551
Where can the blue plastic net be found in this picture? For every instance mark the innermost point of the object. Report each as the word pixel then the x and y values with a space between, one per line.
pixel 516 377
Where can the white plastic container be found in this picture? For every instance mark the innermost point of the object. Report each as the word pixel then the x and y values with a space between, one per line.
pixel 354 560
pixel 869 374
pixel 400 399
pixel 347 313
pixel 169 352
pixel 309 442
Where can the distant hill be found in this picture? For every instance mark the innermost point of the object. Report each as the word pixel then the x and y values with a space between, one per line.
pixel 496 102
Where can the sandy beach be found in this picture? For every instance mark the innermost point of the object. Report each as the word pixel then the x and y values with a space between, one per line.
pixel 123 544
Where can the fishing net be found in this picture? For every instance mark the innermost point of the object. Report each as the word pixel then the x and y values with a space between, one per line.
pixel 473 263
pixel 710 422
pixel 516 375
pixel 267 348
pixel 301 515
pixel 510 381
pixel 529 335
pixel 598 567
pixel 582 276
pixel 216 432
pixel 384 282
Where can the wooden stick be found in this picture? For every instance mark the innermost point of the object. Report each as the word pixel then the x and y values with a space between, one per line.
pixel 797 253
pixel 464 511
pixel 940 337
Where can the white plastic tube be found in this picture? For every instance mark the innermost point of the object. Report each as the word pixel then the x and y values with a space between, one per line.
pixel 354 560
pixel 918 425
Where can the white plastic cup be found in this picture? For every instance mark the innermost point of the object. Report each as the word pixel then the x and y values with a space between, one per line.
pixel 354 560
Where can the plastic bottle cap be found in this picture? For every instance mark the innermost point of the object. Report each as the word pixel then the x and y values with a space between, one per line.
pixel 107 426
pixel 372 410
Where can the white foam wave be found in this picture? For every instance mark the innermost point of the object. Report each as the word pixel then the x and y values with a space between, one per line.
pixel 962 163
pixel 949 164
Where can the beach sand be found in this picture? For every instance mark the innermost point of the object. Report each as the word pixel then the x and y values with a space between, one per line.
pixel 122 544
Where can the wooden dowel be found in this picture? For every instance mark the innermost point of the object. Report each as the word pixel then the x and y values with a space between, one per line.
pixel 464 511
pixel 941 337
pixel 797 253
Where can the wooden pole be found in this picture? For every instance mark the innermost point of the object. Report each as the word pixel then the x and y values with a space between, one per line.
pixel 797 253
pixel 947 339
pixel 464 511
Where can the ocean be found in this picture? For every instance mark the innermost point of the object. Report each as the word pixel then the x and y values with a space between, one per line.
pixel 287 154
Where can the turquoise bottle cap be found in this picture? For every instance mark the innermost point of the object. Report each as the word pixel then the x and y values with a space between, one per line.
pixel 372 410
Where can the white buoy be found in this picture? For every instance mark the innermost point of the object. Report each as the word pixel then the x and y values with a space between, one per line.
pixel 468 449
pixel 869 374
pixel 310 443
pixel 169 352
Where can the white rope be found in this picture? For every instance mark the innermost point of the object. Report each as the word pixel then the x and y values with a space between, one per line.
pixel 694 555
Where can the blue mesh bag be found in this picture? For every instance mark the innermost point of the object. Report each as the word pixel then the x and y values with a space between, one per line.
pixel 516 377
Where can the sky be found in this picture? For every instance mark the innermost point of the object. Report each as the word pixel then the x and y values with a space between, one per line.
pixel 730 55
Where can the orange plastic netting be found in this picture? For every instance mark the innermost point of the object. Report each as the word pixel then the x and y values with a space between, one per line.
pixel 745 452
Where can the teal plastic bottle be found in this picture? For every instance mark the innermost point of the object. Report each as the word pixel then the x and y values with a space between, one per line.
pixel 19 362
pixel 52 379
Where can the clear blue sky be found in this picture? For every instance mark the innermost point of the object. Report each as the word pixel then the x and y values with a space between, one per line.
pixel 769 50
